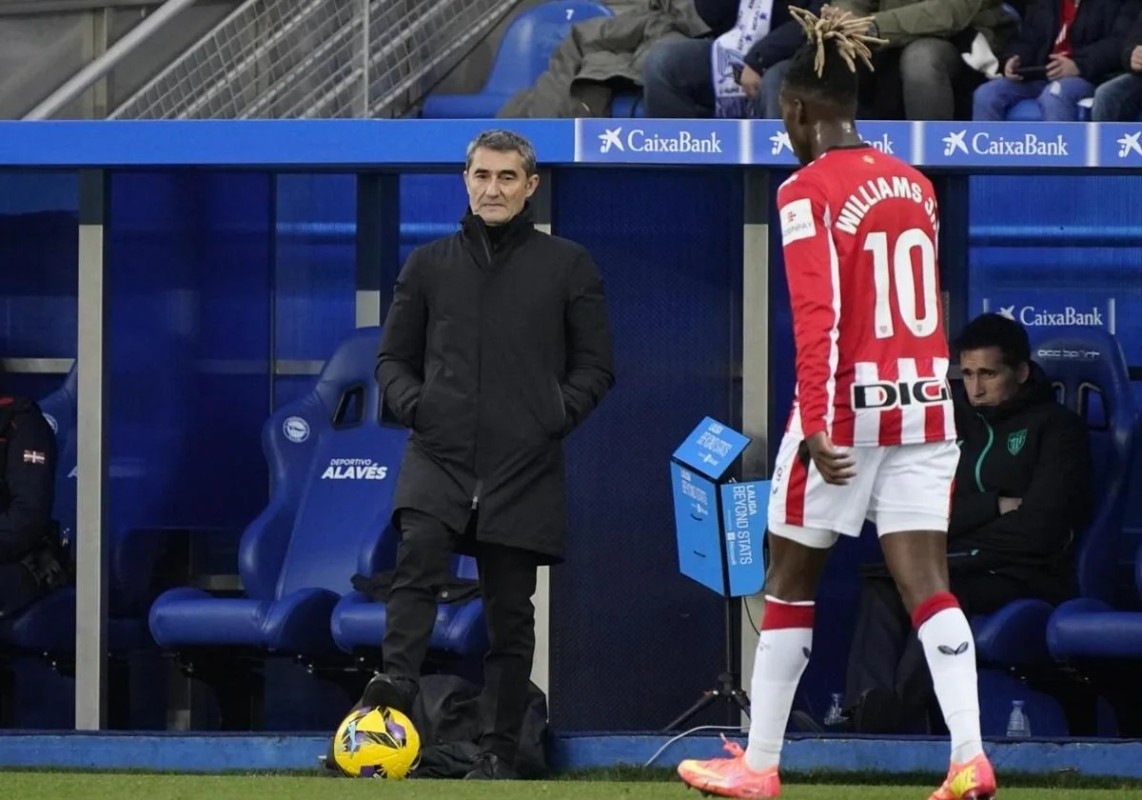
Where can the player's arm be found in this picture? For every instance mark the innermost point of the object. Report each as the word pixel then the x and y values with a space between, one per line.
pixel 808 250
pixel 809 256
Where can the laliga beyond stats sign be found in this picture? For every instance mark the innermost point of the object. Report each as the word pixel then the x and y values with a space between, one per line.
pixel 720 525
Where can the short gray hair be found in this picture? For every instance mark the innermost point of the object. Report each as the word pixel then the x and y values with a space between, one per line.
pixel 503 142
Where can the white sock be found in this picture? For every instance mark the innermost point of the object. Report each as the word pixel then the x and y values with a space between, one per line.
pixel 783 650
pixel 950 651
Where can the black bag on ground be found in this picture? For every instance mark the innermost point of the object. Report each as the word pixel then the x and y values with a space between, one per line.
pixel 446 715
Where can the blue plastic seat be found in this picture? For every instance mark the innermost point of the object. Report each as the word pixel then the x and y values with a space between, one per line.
pixel 459 631
pixel 524 54
pixel 333 465
pixel 1090 375
pixel 1089 627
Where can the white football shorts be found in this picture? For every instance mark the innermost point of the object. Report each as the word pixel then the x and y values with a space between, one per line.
pixel 898 488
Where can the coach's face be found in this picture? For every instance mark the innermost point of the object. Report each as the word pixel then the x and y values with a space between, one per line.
pixel 497 185
pixel 988 381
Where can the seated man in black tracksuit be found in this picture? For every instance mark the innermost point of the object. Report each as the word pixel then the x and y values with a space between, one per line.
pixel 31 559
pixel 1022 493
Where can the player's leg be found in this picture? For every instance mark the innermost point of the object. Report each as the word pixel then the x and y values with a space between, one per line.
pixel 803 513
pixel 785 639
pixel 910 508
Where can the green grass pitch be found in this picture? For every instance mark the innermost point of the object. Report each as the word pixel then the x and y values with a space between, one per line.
pixel 129 786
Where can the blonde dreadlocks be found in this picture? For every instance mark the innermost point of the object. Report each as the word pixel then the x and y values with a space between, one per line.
pixel 845 30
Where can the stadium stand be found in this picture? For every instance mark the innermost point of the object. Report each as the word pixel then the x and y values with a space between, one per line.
pixel 522 57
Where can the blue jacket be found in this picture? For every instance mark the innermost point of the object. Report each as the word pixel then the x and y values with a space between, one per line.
pixel 785 33
pixel 1097 38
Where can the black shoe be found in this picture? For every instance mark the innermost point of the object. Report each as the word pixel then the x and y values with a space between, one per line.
pixel 385 692
pixel 491 767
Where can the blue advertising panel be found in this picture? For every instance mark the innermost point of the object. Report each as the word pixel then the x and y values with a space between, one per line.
pixel 697 528
pixel 744 517
pixel 711 448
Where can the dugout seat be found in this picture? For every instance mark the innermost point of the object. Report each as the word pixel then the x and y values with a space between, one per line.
pixel 333 465
pixel 1088 627
pixel 459 631
pixel 1090 375
pixel 523 55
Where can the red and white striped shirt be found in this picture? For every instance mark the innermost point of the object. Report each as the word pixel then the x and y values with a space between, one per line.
pixel 860 231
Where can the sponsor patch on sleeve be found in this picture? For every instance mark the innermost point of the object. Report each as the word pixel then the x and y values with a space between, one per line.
pixel 797 221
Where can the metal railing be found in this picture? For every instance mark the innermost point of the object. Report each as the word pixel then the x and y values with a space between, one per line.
pixel 317 58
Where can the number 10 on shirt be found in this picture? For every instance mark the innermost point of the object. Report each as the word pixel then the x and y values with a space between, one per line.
pixel 894 265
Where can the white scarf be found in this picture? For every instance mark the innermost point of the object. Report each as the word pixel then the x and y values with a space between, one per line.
pixel 728 52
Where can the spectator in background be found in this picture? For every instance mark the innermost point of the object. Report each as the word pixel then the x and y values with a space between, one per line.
pixel 752 53
pixel 32 561
pixel 1022 492
pixel 1120 99
pixel 1063 51
pixel 934 47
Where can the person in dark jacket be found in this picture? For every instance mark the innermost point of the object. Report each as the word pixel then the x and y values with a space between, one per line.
pixel 1022 494
pixel 29 542
pixel 678 75
pixel 497 345
pixel 1120 99
pixel 1063 51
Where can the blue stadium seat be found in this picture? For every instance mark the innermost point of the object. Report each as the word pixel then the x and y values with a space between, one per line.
pixel 1089 627
pixel 523 55
pixel 1030 111
pixel 1091 377
pixel 459 632
pixel 333 466
pixel 627 104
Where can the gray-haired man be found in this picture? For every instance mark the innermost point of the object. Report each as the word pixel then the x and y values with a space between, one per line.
pixel 496 346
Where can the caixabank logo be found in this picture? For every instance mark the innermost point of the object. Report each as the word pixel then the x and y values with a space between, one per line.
pixel 658 141
pixel 1046 312
pixel 1120 145
pixel 770 144
pixel 1005 144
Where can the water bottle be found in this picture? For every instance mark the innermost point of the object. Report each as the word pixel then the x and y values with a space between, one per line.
pixel 1018 726
pixel 835 715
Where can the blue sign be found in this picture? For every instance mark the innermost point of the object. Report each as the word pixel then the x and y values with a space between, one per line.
pixel 711 448
pixel 1120 145
pixel 409 143
pixel 1006 144
pixel 769 143
pixel 744 518
pixel 1038 308
pixel 697 528
pixel 653 141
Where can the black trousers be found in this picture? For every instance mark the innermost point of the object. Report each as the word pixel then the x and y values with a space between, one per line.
pixel 507 583
pixel 886 653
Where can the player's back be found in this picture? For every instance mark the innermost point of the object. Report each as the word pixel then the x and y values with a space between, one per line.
pixel 891 352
